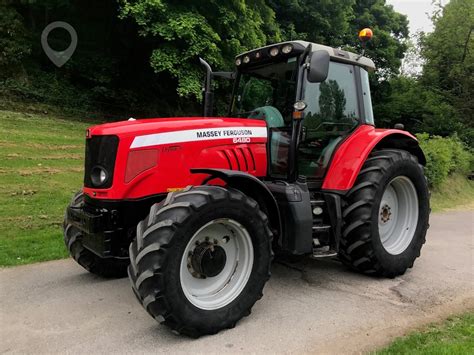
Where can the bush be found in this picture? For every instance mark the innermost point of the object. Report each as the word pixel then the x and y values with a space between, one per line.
pixel 444 156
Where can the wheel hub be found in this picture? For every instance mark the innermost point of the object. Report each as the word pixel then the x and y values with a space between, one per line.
pixel 216 264
pixel 207 260
pixel 398 215
pixel 385 213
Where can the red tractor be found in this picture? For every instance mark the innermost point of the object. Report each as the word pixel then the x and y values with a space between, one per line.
pixel 195 207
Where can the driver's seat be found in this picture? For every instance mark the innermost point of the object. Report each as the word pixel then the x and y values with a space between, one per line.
pixel 270 114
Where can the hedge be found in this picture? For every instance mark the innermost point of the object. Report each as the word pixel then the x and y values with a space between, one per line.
pixel 444 156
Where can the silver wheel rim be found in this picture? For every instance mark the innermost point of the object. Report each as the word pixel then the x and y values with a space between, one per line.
pixel 211 293
pixel 398 215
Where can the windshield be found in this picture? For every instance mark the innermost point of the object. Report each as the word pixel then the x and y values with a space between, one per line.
pixel 267 92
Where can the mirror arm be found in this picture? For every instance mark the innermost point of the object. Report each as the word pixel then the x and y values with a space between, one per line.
pixel 225 74
pixel 303 65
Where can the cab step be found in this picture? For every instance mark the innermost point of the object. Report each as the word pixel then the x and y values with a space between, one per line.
pixel 323 252
pixel 321 229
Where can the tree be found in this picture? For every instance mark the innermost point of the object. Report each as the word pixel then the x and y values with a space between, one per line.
pixel 449 55
pixel 113 65
pixel 320 21
pixel 14 41
pixel 388 45
pixel 212 29
pixel 419 109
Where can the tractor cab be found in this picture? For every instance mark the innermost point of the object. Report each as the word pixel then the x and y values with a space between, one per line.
pixel 316 94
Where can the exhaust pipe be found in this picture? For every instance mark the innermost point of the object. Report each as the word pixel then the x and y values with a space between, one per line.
pixel 207 90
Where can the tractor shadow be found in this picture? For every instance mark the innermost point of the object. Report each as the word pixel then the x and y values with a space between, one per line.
pixel 322 272
pixel 330 275
pixel 300 282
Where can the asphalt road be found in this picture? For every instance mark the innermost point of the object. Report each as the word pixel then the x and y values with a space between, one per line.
pixel 314 306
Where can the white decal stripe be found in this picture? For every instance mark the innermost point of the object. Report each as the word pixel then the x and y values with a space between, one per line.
pixel 194 135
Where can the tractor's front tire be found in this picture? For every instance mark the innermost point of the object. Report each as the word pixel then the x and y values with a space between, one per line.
pixel 108 268
pixel 201 259
pixel 385 215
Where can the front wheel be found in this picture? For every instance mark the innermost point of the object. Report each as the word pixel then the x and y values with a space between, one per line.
pixel 201 259
pixel 385 215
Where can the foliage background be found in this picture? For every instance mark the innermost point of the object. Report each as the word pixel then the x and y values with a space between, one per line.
pixel 140 57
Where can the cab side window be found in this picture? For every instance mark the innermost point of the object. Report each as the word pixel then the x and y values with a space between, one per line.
pixel 369 115
pixel 335 99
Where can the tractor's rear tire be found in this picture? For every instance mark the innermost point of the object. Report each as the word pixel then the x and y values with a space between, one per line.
pixel 177 284
pixel 108 268
pixel 385 215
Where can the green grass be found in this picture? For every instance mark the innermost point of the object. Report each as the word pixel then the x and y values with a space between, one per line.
pixel 455 336
pixel 41 166
pixel 455 192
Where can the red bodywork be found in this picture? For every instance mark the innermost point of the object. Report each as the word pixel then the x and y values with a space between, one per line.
pixel 351 155
pixel 155 155
pixel 175 157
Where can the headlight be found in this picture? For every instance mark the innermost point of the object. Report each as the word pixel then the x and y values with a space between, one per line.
pixel 98 176
pixel 246 59
pixel 274 51
pixel 238 61
pixel 287 48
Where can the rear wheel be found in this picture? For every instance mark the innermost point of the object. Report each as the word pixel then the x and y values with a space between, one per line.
pixel 110 267
pixel 385 215
pixel 201 259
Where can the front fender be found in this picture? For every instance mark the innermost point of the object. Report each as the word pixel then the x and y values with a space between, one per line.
pixel 353 152
pixel 251 186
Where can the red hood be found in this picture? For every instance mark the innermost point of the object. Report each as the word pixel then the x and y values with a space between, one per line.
pixel 138 127
pixel 154 156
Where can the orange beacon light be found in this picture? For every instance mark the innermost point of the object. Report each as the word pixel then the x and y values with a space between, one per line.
pixel 365 35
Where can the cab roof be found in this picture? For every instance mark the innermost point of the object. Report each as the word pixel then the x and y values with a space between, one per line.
pixel 298 47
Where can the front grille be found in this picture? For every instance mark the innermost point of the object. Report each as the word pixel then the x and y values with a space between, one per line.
pixel 100 151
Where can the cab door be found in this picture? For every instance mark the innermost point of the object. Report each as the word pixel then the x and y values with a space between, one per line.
pixel 332 112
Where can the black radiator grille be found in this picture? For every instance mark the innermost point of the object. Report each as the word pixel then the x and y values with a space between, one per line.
pixel 100 151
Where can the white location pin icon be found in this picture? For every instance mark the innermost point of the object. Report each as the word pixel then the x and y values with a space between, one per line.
pixel 59 58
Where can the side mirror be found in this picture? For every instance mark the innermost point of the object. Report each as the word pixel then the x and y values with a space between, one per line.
pixel 318 66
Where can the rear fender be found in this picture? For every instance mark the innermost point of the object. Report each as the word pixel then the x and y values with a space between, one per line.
pixel 251 186
pixel 353 152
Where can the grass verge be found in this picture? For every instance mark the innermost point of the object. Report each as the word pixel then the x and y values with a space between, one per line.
pixel 454 336
pixel 41 166
pixel 455 193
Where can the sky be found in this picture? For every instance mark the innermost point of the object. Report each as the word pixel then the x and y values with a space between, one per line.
pixel 417 12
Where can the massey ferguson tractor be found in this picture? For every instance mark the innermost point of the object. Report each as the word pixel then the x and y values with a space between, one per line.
pixel 195 208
